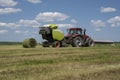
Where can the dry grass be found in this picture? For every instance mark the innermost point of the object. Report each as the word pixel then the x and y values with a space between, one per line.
pixel 101 62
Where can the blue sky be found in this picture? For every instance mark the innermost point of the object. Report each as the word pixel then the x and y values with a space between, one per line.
pixel 20 19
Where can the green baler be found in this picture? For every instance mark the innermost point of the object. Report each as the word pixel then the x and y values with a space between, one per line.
pixel 52 36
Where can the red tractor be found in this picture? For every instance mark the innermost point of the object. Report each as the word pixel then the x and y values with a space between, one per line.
pixel 77 38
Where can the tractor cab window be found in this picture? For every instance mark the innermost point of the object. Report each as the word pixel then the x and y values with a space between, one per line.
pixel 74 32
pixel 71 31
pixel 78 32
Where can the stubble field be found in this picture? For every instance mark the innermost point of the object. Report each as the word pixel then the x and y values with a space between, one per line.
pixel 101 62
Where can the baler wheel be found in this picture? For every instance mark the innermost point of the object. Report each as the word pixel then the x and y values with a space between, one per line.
pixel 56 44
pixel 45 44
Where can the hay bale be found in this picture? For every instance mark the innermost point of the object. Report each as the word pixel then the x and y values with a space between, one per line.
pixel 29 43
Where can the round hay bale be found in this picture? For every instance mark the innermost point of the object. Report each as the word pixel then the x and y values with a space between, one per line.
pixel 29 43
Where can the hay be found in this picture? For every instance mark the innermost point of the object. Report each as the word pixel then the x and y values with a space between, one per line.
pixel 29 43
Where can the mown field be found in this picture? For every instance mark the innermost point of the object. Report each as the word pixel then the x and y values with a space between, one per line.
pixel 101 62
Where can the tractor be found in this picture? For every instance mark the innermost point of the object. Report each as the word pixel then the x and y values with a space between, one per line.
pixel 76 37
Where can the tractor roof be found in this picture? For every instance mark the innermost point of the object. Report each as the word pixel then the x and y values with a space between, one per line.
pixel 74 28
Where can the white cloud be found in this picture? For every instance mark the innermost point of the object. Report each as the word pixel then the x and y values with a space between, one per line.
pixel 34 1
pixel 2 24
pixel 18 32
pixel 29 23
pixel 107 9
pixel 3 31
pixel 97 23
pixel 21 32
pixel 115 21
pixel 74 21
pixel 21 23
pixel 51 16
pixel 98 29
pixel 62 25
pixel 66 25
pixel 9 10
pixel 12 25
pixel 5 3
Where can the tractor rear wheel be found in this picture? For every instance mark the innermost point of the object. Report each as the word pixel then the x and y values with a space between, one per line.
pixel 77 42
pixel 45 44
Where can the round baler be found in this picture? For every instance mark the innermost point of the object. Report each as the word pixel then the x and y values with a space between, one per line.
pixel 51 35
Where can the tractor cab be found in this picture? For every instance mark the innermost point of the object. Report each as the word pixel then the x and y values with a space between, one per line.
pixel 72 31
pixel 76 32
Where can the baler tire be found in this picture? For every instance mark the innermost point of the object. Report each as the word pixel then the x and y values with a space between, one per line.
pixel 45 44
pixel 56 44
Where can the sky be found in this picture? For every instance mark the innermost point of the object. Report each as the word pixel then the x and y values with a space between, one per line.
pixel 21 19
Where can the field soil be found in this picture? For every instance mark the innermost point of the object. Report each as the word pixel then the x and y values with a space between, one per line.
pixel 101 62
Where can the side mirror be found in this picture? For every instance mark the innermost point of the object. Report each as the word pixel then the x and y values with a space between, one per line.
pixel 84 31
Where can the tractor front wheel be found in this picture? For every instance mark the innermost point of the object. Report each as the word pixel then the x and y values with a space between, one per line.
pixel 89 42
